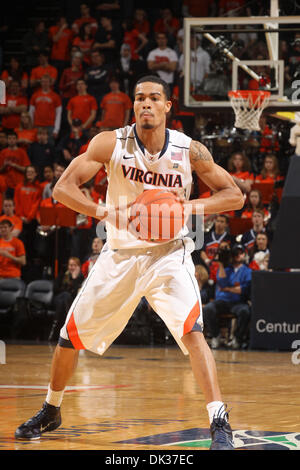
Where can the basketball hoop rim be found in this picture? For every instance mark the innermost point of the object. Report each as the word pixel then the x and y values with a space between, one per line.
pixel 244 94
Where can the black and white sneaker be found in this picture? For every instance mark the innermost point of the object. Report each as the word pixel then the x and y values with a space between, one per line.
pixel 45 420
pixel 221 432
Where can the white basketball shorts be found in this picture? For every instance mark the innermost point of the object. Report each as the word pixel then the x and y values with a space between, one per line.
pixel 163 274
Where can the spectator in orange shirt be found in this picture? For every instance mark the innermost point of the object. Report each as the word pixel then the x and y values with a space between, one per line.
pixel 27 197
pixel 15 72
pixel 270 171
pixel 44 68
pixel 69 77
pixel 85 41
pixel 16 104
pixel 141 22
pixel 12 252
pixel 116 107
pixel 167 24
pixel 136 40
pixel 9 213
pixel 254 202
pixel 239 167
pixel 26 132
pixel 13 161
pixel 46 108
pixel 85 18
pixel 83 106
pixel 61 37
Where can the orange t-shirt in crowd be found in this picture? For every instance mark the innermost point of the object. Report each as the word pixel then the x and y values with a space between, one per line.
pixel 268 179
pixel 11 121
pixel 18 156
pixel 247 213
pixel 27 134
pixel 160 27
pixel 81 107
pixel 27 199
pixel 38 72
pixel 115 105
pixel 85 45
pixel 8 78
pixel 8 267
pixel 15 220
pixel 45 104
pixel 243 175
pixel 60 49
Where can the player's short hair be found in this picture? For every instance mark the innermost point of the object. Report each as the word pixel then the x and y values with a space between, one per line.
pixel 155 79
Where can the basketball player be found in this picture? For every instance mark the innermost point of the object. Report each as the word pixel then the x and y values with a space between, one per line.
pixel 139 157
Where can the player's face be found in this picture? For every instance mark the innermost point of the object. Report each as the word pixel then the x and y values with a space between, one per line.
pixel 150 105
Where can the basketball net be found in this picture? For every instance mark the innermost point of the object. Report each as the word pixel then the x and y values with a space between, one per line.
pixel 248 106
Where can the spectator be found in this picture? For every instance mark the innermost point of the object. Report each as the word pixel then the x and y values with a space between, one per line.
pixel 239 167
pixel 254 202
pixel 15 72
pixel 249 237
pixel 47 176
pixel 213 238
pixel 269 141
pixel 200 63
pixel 13 161
pixel 41 153
pixel 70 145
pixel 97 246
pixel 141 23
pixel 9 213
pixel 34 42
pixel 97 75
pixel 27 198
pixel 232 290
pixel 128 70
pixel 66 286
pixel 85 41
pixel 61 37
pixel 46 108
pixel 136 40
pixel 261 253
pixel 59 168
pixel 107 39
pixel 44 68
pixel 85 18
pixel 26 132
pixel 16 103
pixel 163 60
pixel 167 24
pixel 270 171
pixel 69 77
pixel 12 252
pixel 116 107
pixel 83 106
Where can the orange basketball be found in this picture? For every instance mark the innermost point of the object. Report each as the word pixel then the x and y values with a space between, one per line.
pixel 156 215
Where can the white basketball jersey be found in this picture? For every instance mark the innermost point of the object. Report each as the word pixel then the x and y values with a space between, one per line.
pixel 132 170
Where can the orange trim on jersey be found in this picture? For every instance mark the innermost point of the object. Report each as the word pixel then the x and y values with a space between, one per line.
pixel 191 319
pixel 73 333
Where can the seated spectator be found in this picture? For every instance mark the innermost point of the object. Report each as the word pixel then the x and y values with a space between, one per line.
pixel 61 37
pixel 136 40
pixel 83 106
pixel 69 77
pixel 85 18
pixel 85 41
pixel 13 161
pixel 249 237
pixel 8 212
pixel 44 68
pixel 107 39
pixel 70 145
pixel 239 167
pixel 3 139
pixel 34 42
pixel 254 202
pixel 41 153
pixel 16 103
pixel 116 107
pixel 97 76
pixel 260 253
pixel 47 176
pixel 163 60
pixel 12 252
pixel 141 22
pixel 97 246
pixel 167 24
pixel 26 132
pixel 27 198
pixel 270 171
pixel 213 238
pixel 15 72
pixel 232 290
pixel 66 287
pixel 59 168
pixel 46 108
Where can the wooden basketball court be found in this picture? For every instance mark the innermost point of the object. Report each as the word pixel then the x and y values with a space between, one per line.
pixel 137 398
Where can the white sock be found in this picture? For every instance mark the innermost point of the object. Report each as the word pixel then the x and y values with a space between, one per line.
pixel 216 408
pixel 54 398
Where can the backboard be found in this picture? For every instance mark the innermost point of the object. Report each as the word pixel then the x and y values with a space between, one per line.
pixel 241 53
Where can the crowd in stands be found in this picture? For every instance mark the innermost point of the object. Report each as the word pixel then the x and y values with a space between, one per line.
pixel 77 80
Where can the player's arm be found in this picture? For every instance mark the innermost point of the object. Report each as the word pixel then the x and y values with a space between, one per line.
pixel 82 169
pixel 226 194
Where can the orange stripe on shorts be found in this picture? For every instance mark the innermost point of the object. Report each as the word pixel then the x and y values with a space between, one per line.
pixel 191 319
pixel 73 333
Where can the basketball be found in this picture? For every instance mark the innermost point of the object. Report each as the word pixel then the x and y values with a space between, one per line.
pixel 157 215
